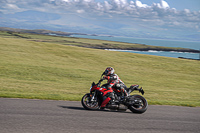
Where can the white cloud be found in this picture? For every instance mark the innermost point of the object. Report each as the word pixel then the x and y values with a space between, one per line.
pixel 80 11
pixel 139 4
pixel 12 6
pixel 107 6
pixel 157 14
pixel 164 4
pixel 186 11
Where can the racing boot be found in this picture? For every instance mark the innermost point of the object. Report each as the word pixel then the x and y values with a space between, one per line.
pixel 112 104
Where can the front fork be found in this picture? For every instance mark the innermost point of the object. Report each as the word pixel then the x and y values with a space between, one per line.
pixel 92 95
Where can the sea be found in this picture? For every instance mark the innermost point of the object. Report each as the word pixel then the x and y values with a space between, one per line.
pixel 154 42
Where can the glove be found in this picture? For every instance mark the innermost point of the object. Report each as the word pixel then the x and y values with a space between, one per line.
pixel 105 77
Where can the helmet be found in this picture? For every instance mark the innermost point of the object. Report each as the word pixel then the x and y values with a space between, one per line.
pixel 109 71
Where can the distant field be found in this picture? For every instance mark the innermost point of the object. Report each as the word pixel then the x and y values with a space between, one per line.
pixel 90 43
pixel 46 67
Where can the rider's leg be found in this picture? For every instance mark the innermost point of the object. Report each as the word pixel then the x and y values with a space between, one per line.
pixel 111 94
pixel 124 92
pixel 108 96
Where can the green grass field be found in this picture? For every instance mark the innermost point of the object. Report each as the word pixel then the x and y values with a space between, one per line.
pixel 35 69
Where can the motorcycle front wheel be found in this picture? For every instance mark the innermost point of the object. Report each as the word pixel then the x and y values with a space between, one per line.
pixel 88 103
pixel 139 104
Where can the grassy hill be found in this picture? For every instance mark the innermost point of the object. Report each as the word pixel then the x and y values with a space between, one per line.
pixel 30 68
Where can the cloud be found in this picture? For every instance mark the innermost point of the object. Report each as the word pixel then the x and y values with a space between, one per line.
pixel 139 4
pixel 162 4
pixel 125 13
pixel 112 7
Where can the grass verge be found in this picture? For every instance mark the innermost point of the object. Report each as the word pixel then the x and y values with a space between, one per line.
pixel 43 70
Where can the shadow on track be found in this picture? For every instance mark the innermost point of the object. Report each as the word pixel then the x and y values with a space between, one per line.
pixel 81 108
pixel 70 107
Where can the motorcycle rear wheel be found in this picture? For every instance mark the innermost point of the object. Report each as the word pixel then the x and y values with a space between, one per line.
pixel 88 104
pixel 139 107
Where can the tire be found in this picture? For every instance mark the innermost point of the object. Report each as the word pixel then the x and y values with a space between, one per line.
pixel 88 104
pixel 139 107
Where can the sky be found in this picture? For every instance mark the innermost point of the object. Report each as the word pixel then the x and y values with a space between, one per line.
pixel 157 19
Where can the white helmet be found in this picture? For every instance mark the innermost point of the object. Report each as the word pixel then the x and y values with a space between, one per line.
pixel 109 71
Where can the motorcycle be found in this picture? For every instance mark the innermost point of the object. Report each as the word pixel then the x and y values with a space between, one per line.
pixel 135 103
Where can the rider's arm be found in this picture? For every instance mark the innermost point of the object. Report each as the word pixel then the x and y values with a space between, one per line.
pixel 114 77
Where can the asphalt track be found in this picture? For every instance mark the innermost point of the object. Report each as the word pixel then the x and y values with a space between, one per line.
pixel 48 116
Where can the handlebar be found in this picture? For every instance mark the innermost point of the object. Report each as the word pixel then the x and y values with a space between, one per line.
pixel 99 82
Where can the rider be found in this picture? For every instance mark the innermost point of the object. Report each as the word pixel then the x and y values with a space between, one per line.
pixel 113 81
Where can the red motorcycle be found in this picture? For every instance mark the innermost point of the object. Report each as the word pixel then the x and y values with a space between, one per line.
pixel 93 100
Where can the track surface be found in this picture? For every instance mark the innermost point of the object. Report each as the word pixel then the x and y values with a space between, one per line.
pixel 48 116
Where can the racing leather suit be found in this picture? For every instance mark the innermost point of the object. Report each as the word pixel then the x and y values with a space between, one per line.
pixel 113 81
